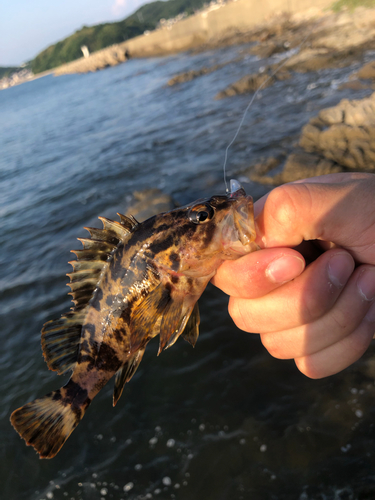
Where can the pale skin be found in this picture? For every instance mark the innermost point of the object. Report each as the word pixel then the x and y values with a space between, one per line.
pixel 310 291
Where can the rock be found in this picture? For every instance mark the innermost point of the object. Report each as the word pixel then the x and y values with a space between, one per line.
pixel 339 139
pixel 253 82
pixel 367 72
pixel 259 171
pixel 149 202
pixel 265 50
pixel 321 58
pixel 355 113
pixel 190 75
pixel 356 85
pixel 351 147
pixel 300 165
pixel 303 165
pixel 110 56
pixel 344 134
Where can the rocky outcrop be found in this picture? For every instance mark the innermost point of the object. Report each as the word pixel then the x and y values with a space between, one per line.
pixel 111 56
pixel 190 75
pixel 331 41
pixel 253 82
pixel 339 139
pixel 344 134
pixel 367 72
pixel 298 165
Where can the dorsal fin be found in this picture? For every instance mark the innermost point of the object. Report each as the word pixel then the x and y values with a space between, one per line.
pixel 92 259
pixel 61 337
pixel 129 222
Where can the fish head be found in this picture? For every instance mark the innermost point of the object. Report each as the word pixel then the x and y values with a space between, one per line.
pixel 208 231
pixel 230 221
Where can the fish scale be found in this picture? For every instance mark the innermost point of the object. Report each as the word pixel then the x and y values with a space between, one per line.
pixel 131 282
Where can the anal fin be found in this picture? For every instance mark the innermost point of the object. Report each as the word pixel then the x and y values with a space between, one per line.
pixel 125 374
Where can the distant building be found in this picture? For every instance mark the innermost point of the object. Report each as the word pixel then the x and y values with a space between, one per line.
pixel 85 51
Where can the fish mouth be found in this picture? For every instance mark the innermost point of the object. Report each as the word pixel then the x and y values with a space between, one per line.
pixel 243 218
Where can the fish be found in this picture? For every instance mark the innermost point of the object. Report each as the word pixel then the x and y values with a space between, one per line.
pixel 130 282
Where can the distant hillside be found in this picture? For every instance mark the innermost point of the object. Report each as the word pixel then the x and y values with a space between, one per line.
pixel 97 37
pixel 7 71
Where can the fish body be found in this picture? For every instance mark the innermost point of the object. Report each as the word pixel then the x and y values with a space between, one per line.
pixel 131 282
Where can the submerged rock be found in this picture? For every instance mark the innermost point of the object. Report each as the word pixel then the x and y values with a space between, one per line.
pixel 190 75
pixel 149 202
pixel 251 83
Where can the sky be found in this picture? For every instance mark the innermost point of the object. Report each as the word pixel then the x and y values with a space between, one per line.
pixel 29 26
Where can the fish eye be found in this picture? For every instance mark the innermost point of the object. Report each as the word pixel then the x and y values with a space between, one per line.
pixel 201 213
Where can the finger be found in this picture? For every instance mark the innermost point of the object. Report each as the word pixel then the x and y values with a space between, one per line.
pixel 322 179
pixel 256 274
pixel 339 356
pixel 344 318
pixel 296 212
pixel 334 178
pixel 299 302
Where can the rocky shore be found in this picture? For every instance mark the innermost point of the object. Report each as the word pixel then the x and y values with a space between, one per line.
pixel 219 22
pixel 338 139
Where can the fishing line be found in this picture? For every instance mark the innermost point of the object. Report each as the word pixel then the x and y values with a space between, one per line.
pixel 293 52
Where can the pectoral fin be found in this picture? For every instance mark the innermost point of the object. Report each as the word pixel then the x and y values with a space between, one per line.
pixel 170 327
pixel 191 331
pixel 146 315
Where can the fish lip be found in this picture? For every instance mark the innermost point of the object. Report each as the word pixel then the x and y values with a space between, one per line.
pixel 243 218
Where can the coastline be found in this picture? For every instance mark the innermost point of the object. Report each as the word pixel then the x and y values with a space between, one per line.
pixel 217 24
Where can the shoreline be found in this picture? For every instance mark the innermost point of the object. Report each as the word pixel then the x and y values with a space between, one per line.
pixel 214 26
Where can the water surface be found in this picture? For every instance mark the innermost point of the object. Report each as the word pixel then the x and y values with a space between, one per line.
pixel 224 420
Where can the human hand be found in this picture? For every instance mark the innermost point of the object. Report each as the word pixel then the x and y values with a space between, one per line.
pixel 322 316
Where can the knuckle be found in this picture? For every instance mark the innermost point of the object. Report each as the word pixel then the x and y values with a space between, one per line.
pixel 314 305
pixel 284 204
pixel 237 314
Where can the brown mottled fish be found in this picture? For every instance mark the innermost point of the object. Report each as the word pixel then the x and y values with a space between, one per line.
pixel 131 282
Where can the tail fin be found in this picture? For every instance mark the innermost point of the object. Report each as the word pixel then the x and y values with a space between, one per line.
pixel 46 423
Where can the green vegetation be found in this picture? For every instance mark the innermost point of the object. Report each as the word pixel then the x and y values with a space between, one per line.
pixel 7 71
pixel 352 4
pixel 97 37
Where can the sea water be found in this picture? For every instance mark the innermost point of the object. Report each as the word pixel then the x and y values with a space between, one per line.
pixel 224 420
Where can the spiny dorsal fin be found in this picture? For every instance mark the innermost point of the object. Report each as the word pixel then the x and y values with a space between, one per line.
pixel 129 222
pixel 61 337
pixel 125 374
pixel 92 259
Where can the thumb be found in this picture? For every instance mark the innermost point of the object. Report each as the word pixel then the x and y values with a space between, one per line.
pixel 336 212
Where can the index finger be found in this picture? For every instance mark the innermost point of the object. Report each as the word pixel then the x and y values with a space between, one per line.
pixel 256 274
